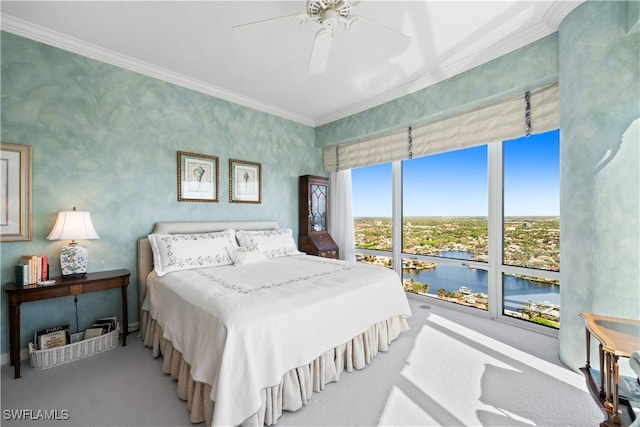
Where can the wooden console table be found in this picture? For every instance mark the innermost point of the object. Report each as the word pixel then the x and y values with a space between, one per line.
pixel 617 338
pixel 65 286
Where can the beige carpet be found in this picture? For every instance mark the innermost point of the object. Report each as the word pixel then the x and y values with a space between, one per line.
pixel 450 369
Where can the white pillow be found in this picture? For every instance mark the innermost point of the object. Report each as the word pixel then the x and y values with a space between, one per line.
pixel 173 252
pixel 244 255
pixel 272 243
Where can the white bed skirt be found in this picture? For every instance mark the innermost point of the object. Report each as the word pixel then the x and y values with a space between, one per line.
pixel 296 386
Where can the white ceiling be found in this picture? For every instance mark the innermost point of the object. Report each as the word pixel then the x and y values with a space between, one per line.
pixel 192 44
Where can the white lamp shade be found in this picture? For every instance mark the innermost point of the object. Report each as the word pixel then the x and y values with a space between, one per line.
pixel 72 225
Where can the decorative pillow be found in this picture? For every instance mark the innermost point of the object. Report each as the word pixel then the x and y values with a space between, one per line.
pixel 173 252
pixel 244 255
pixel 272 243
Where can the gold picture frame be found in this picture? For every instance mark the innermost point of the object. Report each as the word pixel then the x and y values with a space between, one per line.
pixel 245 181
pixel 198 177
pixel 15 192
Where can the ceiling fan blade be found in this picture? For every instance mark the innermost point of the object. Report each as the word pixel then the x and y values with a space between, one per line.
pixel 273 22
pixel 320 51
pixel 379 34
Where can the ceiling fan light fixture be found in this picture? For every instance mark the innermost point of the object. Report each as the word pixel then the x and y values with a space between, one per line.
pixel 317 8
pixel 329 14
pixel 329 19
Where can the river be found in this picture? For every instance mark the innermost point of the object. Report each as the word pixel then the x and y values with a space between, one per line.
pixel 517 291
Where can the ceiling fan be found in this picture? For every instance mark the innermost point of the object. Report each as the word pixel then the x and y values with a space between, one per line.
pixel 330 14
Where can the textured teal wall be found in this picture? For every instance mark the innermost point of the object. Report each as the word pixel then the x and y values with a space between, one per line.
pixel 529 67
pixel 600 180
pixel 105 140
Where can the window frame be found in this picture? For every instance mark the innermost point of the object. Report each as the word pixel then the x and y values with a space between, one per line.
pixel 494 265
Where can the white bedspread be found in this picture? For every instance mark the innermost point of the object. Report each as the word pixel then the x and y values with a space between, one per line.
pixel 242 327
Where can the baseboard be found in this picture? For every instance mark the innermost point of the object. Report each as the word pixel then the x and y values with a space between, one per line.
pixel 134 327
pixel 24 352
pixel 4 357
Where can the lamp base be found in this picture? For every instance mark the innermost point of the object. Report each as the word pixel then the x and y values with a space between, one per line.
pixel 74 260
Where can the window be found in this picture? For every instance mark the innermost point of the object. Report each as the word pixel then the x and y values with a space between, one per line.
pixel 372 207
pixel 480 226
pixel 445 211
pixel 531 228
pixel 532 202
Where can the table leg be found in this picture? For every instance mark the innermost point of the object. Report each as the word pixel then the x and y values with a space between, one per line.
pixel 588 336
pixel 608 401
pixel 602 372
pixel 125 317
pixel 14 337
pixel 614 362
pixel 607 361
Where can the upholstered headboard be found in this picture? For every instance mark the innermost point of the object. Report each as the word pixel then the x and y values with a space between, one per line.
pixel 145 256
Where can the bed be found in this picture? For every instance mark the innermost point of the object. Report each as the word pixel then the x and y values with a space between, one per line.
pixel 250 327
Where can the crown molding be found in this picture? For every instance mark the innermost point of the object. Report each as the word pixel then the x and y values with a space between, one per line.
pixel 558 11
pixel 40 34
pixel 550 24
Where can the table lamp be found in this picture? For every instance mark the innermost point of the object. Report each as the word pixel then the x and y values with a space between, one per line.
pixel 72 225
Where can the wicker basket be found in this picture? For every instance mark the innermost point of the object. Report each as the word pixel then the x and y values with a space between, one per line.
pixel 44 359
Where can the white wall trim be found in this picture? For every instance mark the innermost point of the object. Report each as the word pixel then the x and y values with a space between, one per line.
pixel 40 34
pixel 547 26
pixel 558 11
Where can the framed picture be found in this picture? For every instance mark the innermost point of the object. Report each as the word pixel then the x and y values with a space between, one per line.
pixel 15 192
pixel 245 182
pixel 197 178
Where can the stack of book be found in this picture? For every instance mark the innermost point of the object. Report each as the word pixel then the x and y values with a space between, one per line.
pixel 101 326
pixel 52 337
pixel 32 269
pixel 57 336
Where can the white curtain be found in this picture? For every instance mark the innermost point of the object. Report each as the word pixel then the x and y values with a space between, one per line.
pixel 341 211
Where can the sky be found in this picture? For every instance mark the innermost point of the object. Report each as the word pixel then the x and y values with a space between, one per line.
pixel 455 183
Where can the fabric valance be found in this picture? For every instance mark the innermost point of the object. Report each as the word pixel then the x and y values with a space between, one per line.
pixel 532 112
